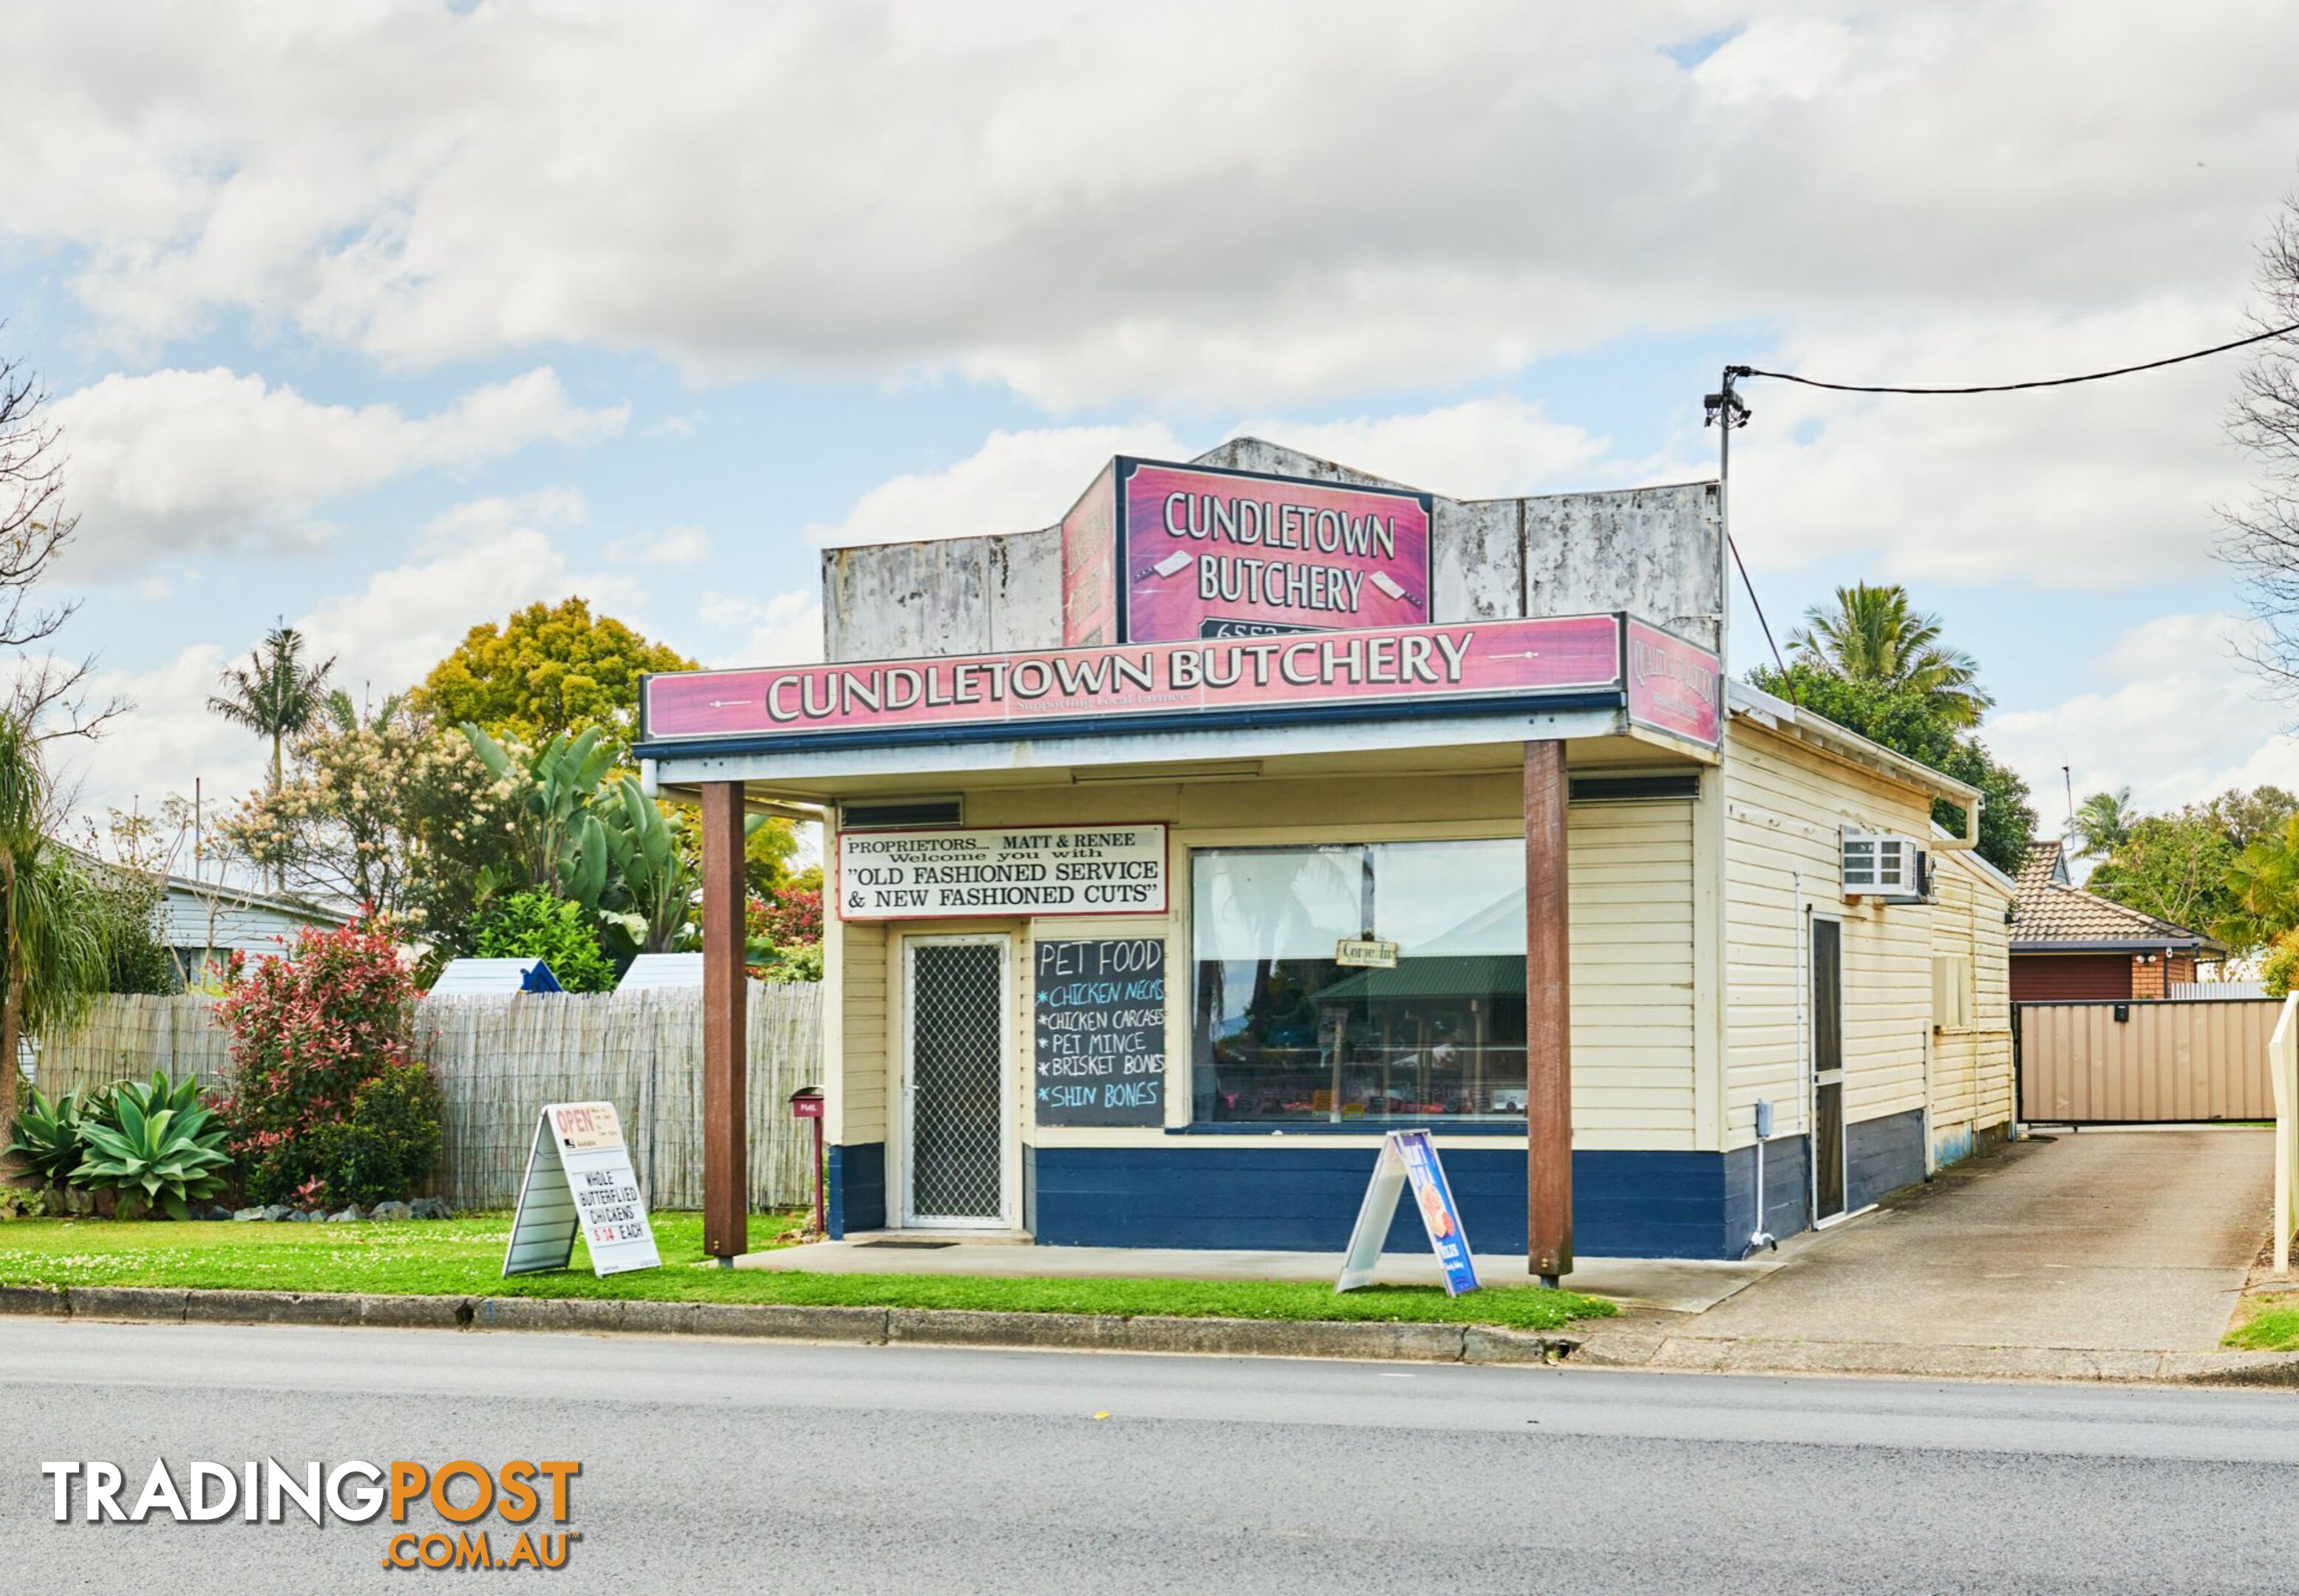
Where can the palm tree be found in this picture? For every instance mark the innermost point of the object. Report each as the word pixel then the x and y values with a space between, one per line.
pixel 275 694
pixel 50 945
pixel 1874 635
pixel 2102 821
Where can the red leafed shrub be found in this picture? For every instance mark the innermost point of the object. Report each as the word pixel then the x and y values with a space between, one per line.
pixel 310 1030
pixel 794 919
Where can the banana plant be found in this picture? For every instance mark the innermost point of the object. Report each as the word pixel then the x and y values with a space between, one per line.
pixel 652 879
pixel 170 1158
pixel 566 844
pixel 47 1135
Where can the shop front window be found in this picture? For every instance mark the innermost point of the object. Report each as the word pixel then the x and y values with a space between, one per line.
pixel 1284 1031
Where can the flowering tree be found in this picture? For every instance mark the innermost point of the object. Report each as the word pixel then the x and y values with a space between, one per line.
pixel 310 1033
pixel 386 810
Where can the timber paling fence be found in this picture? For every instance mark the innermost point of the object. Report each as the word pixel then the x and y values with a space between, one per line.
pixel 499 1060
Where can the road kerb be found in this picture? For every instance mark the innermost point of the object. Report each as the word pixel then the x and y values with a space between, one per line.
pixel 1369 1339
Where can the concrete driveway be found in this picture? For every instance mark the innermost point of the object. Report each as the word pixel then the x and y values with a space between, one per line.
pixel 2093 1252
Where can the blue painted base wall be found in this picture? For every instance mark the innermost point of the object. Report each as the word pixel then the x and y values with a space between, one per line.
pixel 856 1183
pixel 1882 1156
pixel 1625 1203
pixel 1188 1194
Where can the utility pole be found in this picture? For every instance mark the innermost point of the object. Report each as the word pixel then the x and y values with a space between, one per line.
pixel 1724 410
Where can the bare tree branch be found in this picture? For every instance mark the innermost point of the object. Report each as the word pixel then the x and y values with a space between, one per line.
pixel 2261 538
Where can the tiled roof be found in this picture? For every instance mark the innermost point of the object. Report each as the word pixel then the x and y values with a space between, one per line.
pixel 2052 911
pixel 2042 865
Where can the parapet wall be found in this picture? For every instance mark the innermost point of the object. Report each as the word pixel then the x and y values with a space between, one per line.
pixel 1656 552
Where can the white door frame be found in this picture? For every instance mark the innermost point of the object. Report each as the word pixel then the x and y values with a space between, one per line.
pixel 1009 1140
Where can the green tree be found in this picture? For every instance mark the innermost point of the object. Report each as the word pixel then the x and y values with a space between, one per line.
pixel 1874 635
pixel 1910 719
pixel 535 925
pixel 2173 866
pixel 2103 821
pixel 551 669
pixel 276 694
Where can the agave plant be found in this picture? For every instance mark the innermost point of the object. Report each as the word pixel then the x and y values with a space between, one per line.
pixel 47 1136
pixel 155 1146
pixel 149 1097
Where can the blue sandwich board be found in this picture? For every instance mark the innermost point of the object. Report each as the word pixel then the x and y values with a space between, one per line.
pixel 1408 1158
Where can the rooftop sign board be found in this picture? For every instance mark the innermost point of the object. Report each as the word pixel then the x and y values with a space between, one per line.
pixel 1402 670
pixel 1674 686
pixel 1166 553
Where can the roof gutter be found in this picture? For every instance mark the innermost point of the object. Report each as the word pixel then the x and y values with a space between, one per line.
pixel 1849 748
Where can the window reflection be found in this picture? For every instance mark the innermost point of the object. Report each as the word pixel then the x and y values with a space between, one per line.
pixel 1283 1032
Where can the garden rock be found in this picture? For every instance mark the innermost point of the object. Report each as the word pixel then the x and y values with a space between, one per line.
pixel 349 1216
pixel 276 1212
pixel 431 1208
pixel 78 1201
pixel 391 1210
pixel 250 1213
pixel 299 1219
pixel 220 1212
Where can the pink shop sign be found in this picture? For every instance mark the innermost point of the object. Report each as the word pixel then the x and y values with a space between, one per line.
pixel 1182 684
pixel 1210 553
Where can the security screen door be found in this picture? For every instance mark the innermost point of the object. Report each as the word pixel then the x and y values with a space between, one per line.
pixel 954 1083
pixel 1827 1068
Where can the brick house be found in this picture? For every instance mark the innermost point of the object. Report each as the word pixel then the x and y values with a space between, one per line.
pixel 2068 944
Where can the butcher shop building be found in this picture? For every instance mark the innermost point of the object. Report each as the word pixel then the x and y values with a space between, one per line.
pixel 1258 806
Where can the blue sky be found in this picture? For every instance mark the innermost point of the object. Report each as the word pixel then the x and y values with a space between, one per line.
pixel 368 318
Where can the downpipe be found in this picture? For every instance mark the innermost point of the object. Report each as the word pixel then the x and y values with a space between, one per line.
pixel 1760 1237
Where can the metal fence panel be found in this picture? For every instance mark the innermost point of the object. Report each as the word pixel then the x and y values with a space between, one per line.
pixel 2163 1061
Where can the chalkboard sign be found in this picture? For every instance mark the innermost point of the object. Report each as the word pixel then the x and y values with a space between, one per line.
pixel 1100 1009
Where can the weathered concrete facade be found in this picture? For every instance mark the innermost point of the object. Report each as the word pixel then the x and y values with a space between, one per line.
pixel 1655 552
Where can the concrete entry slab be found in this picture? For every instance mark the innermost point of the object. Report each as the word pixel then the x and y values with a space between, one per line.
pixel 2101 1241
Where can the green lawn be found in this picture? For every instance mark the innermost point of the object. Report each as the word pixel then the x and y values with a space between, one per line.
pixel 2273 1325
pixel 463 1257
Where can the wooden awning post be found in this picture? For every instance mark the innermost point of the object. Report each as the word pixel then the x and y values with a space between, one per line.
pixel 1547 1017
pixel 725 1068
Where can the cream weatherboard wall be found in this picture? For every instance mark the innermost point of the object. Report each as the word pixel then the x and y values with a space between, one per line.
pixel 1633 974
pixel 1971 1086
pixel 1786 806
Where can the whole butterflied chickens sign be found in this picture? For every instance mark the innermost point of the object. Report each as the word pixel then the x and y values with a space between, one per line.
pixel 1204 552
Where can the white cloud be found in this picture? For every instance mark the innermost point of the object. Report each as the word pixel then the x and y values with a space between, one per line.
pixel 671 546
pixel 1490 448
pixel 478 562
pixel 1229 205
pixel 786 630
pixel 2178 720
pixel 1016 482
pixel 2101 485
pixel 179 462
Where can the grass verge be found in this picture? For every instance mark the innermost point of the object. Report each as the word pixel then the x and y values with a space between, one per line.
pixel 2269 1324
pixel 463 1257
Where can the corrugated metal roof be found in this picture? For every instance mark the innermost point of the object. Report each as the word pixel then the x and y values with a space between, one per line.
pixel 653 971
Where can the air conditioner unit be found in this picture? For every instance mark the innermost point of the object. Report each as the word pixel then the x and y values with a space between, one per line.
pixel 1882 865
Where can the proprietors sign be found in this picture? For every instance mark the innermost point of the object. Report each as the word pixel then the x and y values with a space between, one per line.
pixel 944 874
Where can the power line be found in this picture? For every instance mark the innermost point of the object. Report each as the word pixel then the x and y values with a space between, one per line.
pixel 1757 602
pixel 2048 382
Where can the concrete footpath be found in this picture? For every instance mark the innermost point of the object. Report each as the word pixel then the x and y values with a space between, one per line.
pixel 2104 1254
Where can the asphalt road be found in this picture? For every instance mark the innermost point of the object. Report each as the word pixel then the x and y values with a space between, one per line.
pixel 718 1466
